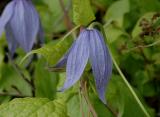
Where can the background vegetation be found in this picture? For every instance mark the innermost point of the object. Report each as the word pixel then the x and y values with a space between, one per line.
pixel 133 30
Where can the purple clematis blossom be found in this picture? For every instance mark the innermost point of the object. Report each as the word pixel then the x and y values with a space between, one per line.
pixel 90 45
pixel 21 23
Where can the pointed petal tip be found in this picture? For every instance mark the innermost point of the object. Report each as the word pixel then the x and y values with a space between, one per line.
pixel 26 49
pixel 101 62
pixel 103 100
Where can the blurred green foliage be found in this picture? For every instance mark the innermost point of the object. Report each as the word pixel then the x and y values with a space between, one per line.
pixel 130 25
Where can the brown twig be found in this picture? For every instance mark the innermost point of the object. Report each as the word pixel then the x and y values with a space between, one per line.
pixel 54 69
pixel 85 95
pixel 66 17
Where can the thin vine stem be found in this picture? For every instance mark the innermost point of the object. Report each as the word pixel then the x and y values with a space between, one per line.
pixel 144 46
pixel 130 88
pixel 120 72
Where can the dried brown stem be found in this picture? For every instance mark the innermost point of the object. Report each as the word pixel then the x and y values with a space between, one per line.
pixel 66 17
pixel 84 93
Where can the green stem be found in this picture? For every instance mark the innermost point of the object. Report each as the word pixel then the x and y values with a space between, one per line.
pixel 144 46
pixel 130 87
pixel 120 72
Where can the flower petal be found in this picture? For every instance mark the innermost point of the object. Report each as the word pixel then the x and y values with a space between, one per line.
pixel 12 43
pixel 63 61
pixel 25 23
pixel 101 62
pixel 77 60
pixel 6 16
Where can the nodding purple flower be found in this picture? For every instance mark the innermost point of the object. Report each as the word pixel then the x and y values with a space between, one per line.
pixel 90 45
pixel 21 23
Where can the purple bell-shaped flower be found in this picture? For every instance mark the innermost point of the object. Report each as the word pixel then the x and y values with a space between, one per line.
pixel 90 45
pixel 21 23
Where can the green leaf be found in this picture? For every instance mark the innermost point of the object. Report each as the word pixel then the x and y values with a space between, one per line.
pixel 33 107
pixel 99 107
pixel 11 78
pixel 52 52
pixel 146 5
pixel 120 98
pixel 104 3
pixel 117 11
pixel 141 79
pixel 113 33
pixel 52 10
pixel 82 12
pixel 45 81
pixel 80 107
